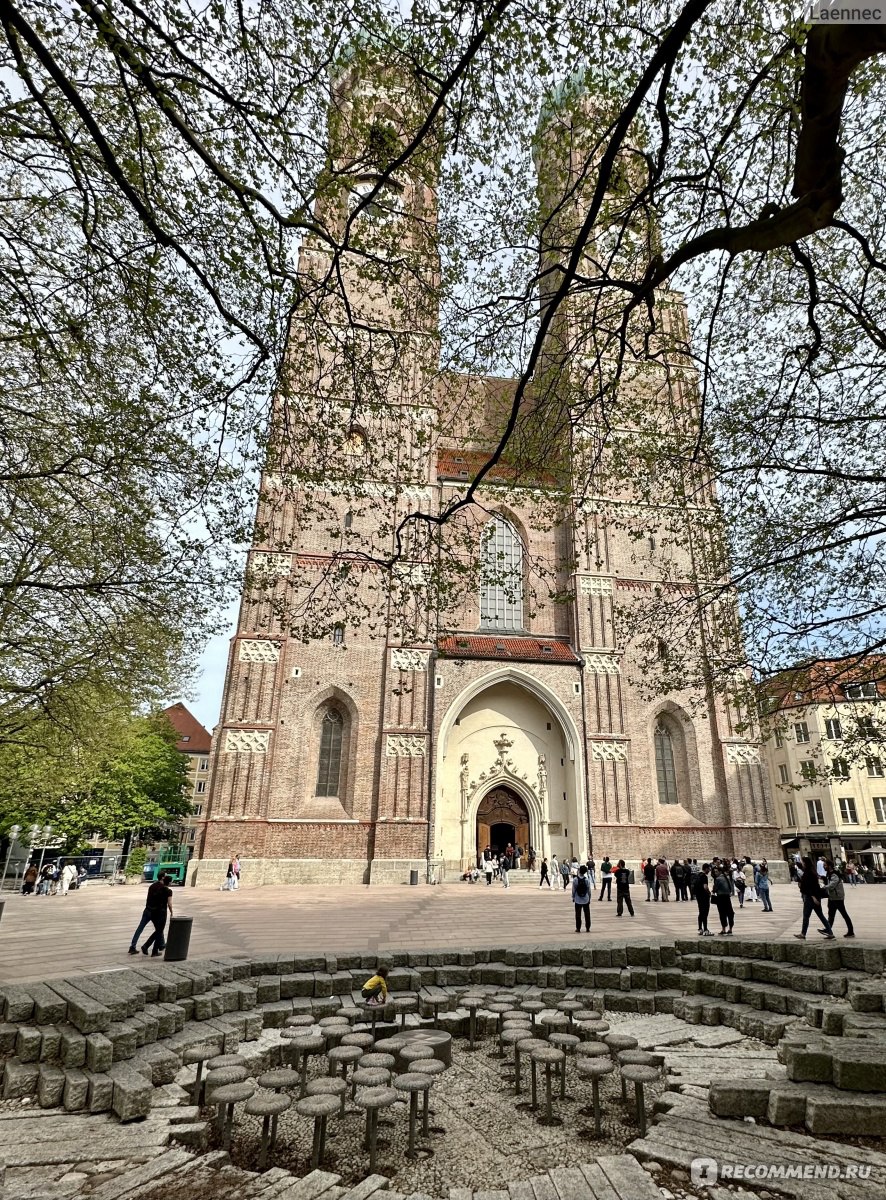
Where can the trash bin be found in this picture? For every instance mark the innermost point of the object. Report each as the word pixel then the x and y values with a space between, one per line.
pixel 632 880
pixel 2 906
pixel 178 939
pixel 413 878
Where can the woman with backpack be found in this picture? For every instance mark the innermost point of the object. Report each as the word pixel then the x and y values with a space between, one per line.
pixel 740 884
pixel 810 890
pixel 581 898
pixel 722 897
pixel 702 892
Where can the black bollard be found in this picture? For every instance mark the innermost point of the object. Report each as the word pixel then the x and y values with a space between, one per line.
pixel 178 939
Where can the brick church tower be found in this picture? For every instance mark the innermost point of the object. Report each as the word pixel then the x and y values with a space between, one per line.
pixel 372 724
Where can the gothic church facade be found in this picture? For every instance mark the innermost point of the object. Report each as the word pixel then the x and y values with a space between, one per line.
pixel 361 756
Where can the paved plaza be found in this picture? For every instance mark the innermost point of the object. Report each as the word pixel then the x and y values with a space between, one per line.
pixel 46 937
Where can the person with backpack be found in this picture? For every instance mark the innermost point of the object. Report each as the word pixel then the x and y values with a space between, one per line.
pixel 836 900
pixel 606 878
pixel 649 879
pixel 622 877
pixel 722 897
pixel 763 882
pixel 504 866
pixel 592 872
pixel 581 898
pixel 810 890
pixel 740 884
pixel 488 868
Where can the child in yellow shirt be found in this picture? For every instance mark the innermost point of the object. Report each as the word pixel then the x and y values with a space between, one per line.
pixel 375 989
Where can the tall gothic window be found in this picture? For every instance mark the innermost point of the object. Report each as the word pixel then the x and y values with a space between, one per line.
pixel 664 765
pixel 329 766
pixel 501 580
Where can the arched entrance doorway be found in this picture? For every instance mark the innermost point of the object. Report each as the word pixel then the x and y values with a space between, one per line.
pixel 502 820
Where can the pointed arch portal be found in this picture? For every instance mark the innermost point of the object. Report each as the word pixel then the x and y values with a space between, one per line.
pixel 502 820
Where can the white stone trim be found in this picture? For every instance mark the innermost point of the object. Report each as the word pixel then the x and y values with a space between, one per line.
pixel 247 741
pixel 409 660
pixel 746 753
pixel 609 751
pixel 254 650
pixel 593 585
pixel 405 746
pixel 602 664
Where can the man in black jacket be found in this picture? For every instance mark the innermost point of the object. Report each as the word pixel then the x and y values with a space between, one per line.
pixel 622 878
pixel 157 903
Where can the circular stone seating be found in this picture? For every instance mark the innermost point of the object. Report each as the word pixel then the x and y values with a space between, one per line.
pixel 279 1079
pixel 321 1107
pixel 226 1097
pixel 432 1067
pixel 369 1077
pixel 640 1075
pixel 438 1039
pixel 594 1069
pixel 413 1082
pixel 300 1049
pixel 570 1007
pixel 328 1085
pixel 592 1050
pixel 363 1040
pixel 221 1077
pixel 199 1055
pixel 548 1057
pixel 268 1106
pixel 225 1060
pixel 377 1060
pixel 299 1021
pixel 343 1056
pixel 373 1099
pixel 404 1005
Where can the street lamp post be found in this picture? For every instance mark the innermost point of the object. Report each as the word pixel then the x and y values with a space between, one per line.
pixel 13 834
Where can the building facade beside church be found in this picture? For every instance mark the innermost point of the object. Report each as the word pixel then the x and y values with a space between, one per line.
pixel 357 755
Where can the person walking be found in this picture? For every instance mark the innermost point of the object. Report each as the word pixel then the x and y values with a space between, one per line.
pixel 581 898
pixel 722 896
pixel 649 879
pixel 606 878
pixel 750 877
pixel 504 867
pixel 663 880
pixel 157 903
pixel 810 890
pixel 837 900
pixel 544 877
pixel 69 875
pixel 565 872
pixel 702 891
pixel 555 873
pixel 488 869
pixel 592 872
pixel 762 883
pixel 228 885
pixel 29 880
pixel 236 864
pixel 622 878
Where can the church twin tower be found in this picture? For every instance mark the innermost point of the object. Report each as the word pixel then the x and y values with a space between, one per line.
pixel 402 692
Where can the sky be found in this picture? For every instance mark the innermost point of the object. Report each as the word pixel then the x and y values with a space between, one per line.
pixel 207 691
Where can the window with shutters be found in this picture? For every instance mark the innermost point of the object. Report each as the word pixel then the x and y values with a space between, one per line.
pixel 501 577
pixel 665 771
pixel 329 766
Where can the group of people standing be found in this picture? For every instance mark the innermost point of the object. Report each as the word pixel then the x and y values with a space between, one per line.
pixel 53 879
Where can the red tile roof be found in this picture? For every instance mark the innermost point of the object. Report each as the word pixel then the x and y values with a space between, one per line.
pixel 464 464
pixel 193 738
pixel 507 649
pixel 823 682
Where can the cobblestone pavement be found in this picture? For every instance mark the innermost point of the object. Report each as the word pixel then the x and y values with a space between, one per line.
pixel 45 937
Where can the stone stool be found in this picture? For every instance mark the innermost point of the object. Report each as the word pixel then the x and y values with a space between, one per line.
pixel 570 1007
pixel 596 1028
pixel 363 1040
pixel 404 1005
pixel 222 1077
pixel 390 1045
pixel 226 1097
pixel 377 1060
pixel 640 1075
pixel 281 1079
pixel 516 1037
pixel 567 1043
pixel 509 1020
pixel 199 1055
pixel 301 1048
pixel 587 1014
pixel 554 1022
pixel 268 1106
pixel 472 1002
pixel 299 1021
pixel 592 1050
pixel 369 1077
pixel 414 1054
pixel 436 1003
pixel 413 1082
pixel 225 1060
pixel 526 1048
pixel 533 1007
pixel 617 1042
pixel 342 1056
pixel 594 1069
pixel 333 1029
pixel 320 1107
pixel 329 1086
pixel 372 1099
pixel 351 1013
pixel 432 1067
pixel 548 1057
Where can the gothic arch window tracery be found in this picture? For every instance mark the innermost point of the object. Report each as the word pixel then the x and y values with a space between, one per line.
pixel 330 753
pixel 501 577
pixel 665 766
